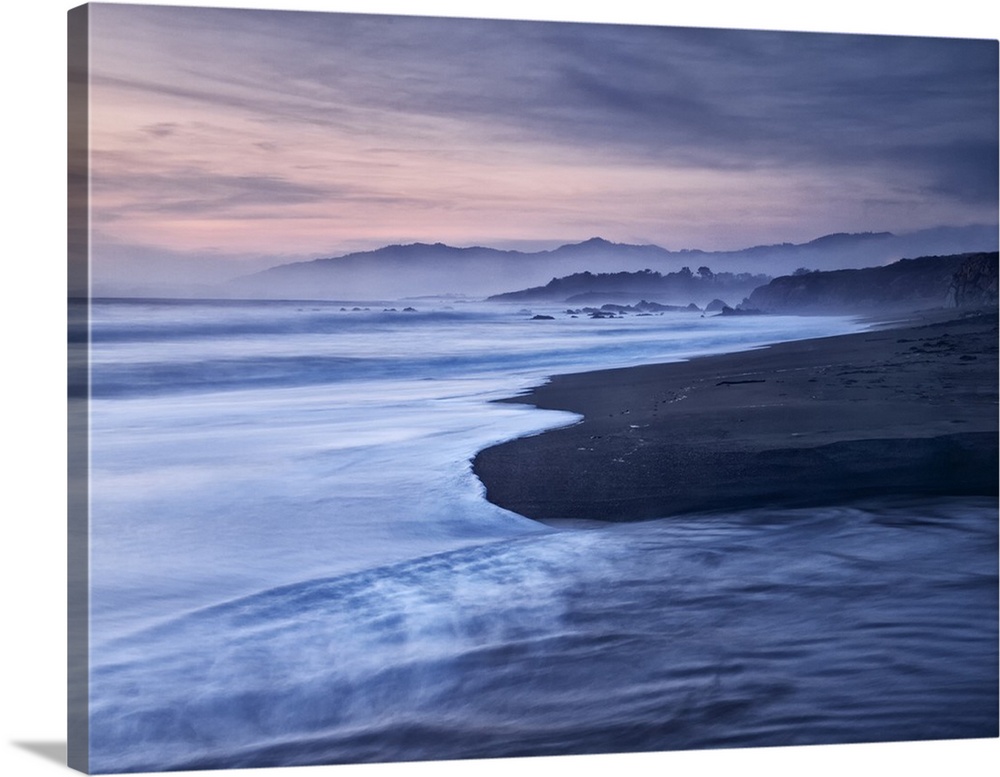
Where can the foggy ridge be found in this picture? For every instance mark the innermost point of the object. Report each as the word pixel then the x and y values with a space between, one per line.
pixel 426 269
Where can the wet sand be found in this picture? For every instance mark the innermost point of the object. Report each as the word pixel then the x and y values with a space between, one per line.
pixel 906 411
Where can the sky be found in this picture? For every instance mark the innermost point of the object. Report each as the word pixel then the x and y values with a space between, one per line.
pixel 224 140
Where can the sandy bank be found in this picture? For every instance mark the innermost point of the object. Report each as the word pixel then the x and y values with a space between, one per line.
pixel 904 411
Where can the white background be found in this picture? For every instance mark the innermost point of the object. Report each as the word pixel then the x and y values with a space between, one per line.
pixel 32 280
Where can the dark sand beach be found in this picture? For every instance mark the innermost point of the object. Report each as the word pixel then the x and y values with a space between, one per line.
pixel 906 410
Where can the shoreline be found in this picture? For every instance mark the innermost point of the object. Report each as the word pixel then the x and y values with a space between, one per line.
pixel 908 409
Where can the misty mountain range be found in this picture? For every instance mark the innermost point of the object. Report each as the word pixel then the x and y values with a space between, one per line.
pixel 419 269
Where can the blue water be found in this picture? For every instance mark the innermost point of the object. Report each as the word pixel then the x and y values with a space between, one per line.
pixel 293 563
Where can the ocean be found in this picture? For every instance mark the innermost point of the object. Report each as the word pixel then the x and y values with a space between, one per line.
pixel 292 562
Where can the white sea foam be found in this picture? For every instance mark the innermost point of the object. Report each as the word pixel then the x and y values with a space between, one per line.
pixel 293 562
pixel 242 446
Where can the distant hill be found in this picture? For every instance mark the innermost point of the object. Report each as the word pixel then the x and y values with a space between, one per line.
pixel 967 280
pixel 425 269
pixel 678 288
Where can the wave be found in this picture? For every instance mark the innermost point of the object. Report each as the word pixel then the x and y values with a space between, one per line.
pixel 158 321
pixel 869 623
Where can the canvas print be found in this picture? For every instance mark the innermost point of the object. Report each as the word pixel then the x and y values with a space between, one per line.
pixel 451 388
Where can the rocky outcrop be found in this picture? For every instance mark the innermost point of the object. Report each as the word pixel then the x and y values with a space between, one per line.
pixel 974 283
pixel 740 311
pixel 909 284
pixel 642 308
